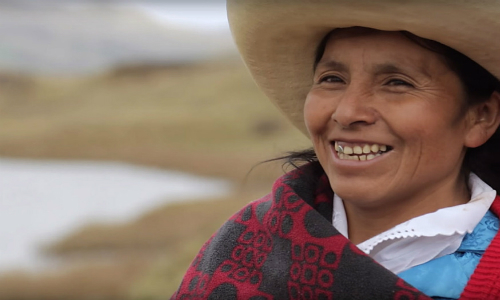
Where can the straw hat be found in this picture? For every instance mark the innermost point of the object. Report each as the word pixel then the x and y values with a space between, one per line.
pixel 278 39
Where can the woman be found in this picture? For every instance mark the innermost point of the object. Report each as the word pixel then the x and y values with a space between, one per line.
pixel 401 102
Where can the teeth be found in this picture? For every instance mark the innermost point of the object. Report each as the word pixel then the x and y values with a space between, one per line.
pixel 366 149
pixel 363 153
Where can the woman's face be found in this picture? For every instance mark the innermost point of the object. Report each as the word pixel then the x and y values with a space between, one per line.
pixel 395 108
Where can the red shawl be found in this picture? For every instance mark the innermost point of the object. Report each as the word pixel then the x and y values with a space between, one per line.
pixel 284 246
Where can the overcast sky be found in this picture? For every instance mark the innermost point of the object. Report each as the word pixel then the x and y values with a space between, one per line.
pixel 203 16
pixel 77 36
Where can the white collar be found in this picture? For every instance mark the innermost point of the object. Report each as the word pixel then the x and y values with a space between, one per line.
pixel 425 237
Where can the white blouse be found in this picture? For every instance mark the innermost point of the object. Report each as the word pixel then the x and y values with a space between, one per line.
pixel 425 237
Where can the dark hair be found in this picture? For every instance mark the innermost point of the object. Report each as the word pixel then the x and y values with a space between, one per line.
pixel 479 85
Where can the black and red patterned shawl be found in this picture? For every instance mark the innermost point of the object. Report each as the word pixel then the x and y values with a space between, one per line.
pixel 284 246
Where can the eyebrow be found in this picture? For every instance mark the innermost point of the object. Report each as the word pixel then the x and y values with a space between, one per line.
pixel 332 64
pixel 383 68
pixel 387 68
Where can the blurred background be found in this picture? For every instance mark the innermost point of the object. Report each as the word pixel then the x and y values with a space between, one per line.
pixel 129 132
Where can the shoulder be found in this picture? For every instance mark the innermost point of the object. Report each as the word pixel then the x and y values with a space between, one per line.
pixel 448 275
pixel 240 228
pixel 484 232
pixel 239 244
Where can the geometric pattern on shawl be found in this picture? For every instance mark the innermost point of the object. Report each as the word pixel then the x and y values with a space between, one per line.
pixel 283 246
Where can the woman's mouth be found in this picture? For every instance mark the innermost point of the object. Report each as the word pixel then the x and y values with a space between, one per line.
pixel 360 151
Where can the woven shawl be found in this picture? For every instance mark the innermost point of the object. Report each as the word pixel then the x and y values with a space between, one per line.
pixel 283 246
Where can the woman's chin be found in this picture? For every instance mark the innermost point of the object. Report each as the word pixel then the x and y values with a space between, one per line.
pixel 359 195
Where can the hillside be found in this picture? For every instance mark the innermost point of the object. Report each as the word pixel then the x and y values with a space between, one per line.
pixel 208 119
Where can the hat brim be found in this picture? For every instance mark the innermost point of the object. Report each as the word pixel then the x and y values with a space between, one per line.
pixel 278 39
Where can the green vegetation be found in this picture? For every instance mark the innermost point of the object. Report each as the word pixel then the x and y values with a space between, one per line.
pixel 208 119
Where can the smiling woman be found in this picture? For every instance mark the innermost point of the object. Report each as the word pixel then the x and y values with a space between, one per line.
pixel 376 88
pixel 397 198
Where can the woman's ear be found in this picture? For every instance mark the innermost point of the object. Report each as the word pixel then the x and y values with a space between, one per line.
pixel 484 121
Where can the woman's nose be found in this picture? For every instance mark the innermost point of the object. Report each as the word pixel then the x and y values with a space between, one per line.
pixel 354 109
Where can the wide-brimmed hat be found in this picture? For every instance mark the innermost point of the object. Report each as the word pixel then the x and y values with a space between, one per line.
pixel 277 39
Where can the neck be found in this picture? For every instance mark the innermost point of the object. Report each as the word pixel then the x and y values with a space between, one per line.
pixel 367 222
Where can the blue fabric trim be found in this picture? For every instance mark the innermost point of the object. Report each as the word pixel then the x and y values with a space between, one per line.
pixel 447 276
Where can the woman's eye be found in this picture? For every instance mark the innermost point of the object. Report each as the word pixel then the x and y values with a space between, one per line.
pixel 330 79
pixel 398 82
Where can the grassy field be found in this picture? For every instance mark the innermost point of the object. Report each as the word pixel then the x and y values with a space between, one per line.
pixel 208 119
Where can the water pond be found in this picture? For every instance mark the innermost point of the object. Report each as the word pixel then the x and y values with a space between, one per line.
pixel 41 201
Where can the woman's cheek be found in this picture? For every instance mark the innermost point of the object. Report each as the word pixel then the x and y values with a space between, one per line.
pixel 308 116
pixel 317 113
